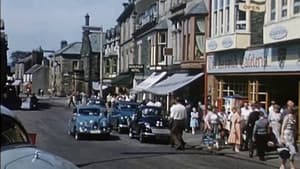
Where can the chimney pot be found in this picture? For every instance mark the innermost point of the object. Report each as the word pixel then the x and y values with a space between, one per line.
pixel 87 20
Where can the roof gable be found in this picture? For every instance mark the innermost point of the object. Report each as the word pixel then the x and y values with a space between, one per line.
pixel 71 49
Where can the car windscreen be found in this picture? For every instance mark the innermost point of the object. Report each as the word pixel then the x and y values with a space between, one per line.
pixel 151 112
pixel 12 132
pixel 127 106
pixel 89 112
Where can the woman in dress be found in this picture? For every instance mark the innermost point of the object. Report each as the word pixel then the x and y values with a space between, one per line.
pixel 274 119
pixel 288 130
pixel 194 122
pixel 235 130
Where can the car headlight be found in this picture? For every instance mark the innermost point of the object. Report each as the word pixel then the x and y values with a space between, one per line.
pixel 122 118
pixel 91 121
pixel 81 123
pixel 147 125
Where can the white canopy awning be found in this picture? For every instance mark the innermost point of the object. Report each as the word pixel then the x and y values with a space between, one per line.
pixel 173 83
pixel 17 83
pixel 96 86
pixel 150 81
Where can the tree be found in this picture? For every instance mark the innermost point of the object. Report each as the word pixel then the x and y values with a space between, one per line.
pixel 17 55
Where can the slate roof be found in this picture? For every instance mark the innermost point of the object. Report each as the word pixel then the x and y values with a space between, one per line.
pixel 33 69
pixel 71 49
pixel 162 25
pixel 197 9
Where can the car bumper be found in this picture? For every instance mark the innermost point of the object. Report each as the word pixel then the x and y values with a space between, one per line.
pixel 123 126
pixel 94 132
pixel 157 133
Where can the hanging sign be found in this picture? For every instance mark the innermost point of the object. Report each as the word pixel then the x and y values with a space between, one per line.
pixel 252 7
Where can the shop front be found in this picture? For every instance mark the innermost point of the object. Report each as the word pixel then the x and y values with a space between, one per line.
pixel 257 74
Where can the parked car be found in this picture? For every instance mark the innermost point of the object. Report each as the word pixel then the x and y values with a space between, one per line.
pixel 95 101
pixel 148 122
pixel 17 150
pixel 89 120
pixel 121 114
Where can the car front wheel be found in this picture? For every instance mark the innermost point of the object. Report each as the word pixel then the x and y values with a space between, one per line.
pixel 142 138
pixel 130 134
pixel 77 136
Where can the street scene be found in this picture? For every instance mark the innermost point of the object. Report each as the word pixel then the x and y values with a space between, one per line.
pixel 119 151
pixel 210 84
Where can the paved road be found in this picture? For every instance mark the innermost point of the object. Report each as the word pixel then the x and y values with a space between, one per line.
pixel 119 151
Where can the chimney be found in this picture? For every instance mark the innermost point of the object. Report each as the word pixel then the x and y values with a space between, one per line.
pixel 63 44
pixel 87 20
pixel 125 5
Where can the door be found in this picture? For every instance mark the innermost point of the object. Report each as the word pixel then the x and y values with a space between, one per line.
pixel 255 95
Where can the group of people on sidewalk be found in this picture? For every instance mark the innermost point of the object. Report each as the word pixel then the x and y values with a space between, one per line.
pixel 246 128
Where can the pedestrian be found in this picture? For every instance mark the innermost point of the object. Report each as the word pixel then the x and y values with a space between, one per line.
pixel 235 130
pixel 253 117
pixel 71 100
pixel 188 108
pixel 194 120
pixel 245 112
pixel 288 132
pixel 275 118
pixel 178 115
pixel 260 135
pixel 213 123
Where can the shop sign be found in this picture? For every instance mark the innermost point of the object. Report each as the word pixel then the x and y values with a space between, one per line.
pixel 212 45
pixel 278 33
pixel 227 42
pixel 254 59
pixel 252 7
pixel 136 68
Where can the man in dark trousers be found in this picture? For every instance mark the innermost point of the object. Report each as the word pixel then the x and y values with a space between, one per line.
pixel 253 117
pixel 178 115
pixel 260 135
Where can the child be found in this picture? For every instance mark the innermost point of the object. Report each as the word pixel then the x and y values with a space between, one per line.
pixel 194 123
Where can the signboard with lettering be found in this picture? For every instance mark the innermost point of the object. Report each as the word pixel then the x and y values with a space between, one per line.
pixel 252 60
pixel 136 68
pixel 252 7
pixel 168 51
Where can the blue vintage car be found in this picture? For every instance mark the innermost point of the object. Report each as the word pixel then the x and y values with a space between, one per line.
pixel 18 150
pixel 89 120
pixel 121 114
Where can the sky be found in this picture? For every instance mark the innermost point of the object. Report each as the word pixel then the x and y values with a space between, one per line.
pixel 30 24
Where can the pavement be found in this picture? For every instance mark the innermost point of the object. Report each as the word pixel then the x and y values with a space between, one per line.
pixel 272 158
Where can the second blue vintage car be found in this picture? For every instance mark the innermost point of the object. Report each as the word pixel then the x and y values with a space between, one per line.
pixel 121 114
pixel 89 120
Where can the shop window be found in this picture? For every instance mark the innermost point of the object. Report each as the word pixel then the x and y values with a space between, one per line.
pixel 273 10
pixel 283 8
pixel 296 6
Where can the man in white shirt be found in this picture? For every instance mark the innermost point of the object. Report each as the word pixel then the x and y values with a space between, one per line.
pixel 178 115
pixel 245 112
pixel 150 103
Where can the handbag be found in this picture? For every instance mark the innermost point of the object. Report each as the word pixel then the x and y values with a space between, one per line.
pixel 284 153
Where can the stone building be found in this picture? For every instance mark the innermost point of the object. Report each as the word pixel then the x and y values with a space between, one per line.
pixel 251 56
pixel 66 69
